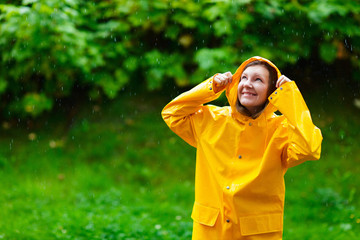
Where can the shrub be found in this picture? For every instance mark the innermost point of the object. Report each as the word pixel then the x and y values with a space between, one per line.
pixel 55 48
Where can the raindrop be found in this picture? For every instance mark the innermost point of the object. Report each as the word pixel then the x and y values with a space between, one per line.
pixel 11 143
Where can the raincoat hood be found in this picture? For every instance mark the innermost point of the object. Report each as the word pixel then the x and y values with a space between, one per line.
pixel 232 88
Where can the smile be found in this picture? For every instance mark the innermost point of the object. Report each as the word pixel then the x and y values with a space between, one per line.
pixel 248 94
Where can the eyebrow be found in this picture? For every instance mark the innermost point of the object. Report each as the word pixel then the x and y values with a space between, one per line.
pixel 255 74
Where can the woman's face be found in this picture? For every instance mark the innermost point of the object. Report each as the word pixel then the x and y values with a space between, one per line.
pixel 253 88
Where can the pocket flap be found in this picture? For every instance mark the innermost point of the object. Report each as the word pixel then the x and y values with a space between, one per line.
pixel 204 215
pixel 261 224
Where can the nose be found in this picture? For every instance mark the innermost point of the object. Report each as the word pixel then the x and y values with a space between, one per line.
pixel 247 83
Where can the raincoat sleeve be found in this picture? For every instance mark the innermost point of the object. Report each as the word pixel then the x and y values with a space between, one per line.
pixel 304 138
pixel 185 112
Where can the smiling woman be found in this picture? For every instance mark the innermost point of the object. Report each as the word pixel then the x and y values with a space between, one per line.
pixel 253 88
pixel 257 82
pixel 242 156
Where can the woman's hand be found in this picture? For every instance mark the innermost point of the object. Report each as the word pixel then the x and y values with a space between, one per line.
pixel 282 79
pixel 222 79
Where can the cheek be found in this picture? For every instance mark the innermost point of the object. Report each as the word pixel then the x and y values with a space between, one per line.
pixel 264 90
pixel 239 89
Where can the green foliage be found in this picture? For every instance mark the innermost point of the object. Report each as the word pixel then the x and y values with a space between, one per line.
pixel 53 48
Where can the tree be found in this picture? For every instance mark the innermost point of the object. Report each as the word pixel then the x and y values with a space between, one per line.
pixel 52 48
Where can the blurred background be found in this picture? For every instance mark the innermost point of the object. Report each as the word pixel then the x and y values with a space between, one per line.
pixel 84 153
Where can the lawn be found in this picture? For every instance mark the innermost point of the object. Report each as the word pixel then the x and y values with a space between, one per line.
pixel 115 171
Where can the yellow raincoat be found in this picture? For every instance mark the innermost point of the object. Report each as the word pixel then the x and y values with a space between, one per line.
pixel 240 161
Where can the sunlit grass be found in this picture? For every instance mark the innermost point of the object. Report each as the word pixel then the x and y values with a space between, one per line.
pixel 120 173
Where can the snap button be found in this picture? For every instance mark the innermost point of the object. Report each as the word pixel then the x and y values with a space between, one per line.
pixel 227 220
pixel 281 88
pixel 270 97
pixel 210 88
pixel 240 156
pixel 250 124
pixel 275 92
pixel 227 187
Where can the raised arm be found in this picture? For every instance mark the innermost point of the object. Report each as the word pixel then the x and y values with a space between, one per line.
pixel 304 138
pixel 185 111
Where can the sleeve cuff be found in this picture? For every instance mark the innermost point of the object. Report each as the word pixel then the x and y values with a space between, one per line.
pixel 279 91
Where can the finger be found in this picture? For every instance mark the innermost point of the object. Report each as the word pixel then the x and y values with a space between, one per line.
pixel 222 80
pixel 285 77
pixel 228 74
pixel 219 77
pixel 279 81
pixel 283 81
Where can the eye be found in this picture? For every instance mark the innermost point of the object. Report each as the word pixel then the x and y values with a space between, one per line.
pixel 259 79
pixel 243 77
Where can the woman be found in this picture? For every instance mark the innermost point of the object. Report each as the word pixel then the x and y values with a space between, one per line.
pixel 243 150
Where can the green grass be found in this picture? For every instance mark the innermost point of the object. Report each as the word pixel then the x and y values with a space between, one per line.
pixel 118 172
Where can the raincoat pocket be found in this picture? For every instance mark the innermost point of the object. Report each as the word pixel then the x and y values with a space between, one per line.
pixel 260 224
pixel 205 215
